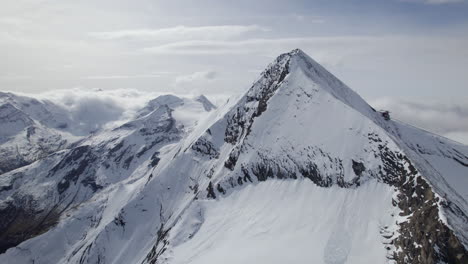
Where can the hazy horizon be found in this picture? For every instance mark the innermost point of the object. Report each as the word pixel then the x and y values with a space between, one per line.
pixel 406 56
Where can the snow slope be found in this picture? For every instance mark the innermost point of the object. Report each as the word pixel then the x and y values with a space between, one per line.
pixel 300 168
pixel 298 223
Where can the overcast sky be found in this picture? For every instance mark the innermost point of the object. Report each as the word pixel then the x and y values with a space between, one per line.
pixel 410 56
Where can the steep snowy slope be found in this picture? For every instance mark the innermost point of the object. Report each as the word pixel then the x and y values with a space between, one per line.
pixel 298 223
pixel 299 169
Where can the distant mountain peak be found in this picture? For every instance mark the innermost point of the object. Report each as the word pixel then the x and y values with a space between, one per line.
pixel 168 100
pixel 207 104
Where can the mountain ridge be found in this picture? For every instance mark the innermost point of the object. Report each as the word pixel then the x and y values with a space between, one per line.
pixel 297 126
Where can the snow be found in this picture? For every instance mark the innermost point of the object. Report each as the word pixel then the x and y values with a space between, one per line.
pixel 312 118
pixel 439 155
pixel 298 223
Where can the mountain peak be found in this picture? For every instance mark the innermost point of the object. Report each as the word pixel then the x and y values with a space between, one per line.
pixel 296 51
pixel 207 104
pixel 301 71
pixel 273 162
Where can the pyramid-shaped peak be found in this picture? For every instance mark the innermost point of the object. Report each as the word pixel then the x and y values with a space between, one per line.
pixel 290 61
pixel 296 51
pixel 296 54
pixel 307 63
pixel 296 68
pixel 167 99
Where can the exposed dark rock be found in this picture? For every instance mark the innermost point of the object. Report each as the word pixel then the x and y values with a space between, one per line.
pixel 18 224
pixel 460 162
pixel 70 158
pixel 424 238
pixel 161 243
pixel 160 246
pixel 87 157
pixel 194 188
pixel 262 171
pixel 150 146
pixel 117 147
pixel 239 181
pixel 119 220
pixel 205 147
pixel 122 154
pixel 30 131
pixel 240 121
pixel 232 160
pixel 91 182
pixel 311 172
pixel 220 189
pixel 245 171
pixel 211 194
pixel 358 167
pixel 155 159
pixel 127 162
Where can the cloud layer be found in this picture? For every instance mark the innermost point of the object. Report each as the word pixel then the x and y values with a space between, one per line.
pixel 446 118
pixel 93 109
pixel 222 32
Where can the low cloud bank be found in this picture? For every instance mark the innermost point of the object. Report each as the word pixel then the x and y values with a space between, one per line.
pixel 94 109
pixel 446 118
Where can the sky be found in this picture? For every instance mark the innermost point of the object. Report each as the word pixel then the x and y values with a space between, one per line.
pixel 408 56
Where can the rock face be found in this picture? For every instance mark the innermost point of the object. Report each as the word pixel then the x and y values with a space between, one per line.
pixel 161 189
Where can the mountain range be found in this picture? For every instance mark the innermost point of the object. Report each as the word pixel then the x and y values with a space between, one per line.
pixel 299 169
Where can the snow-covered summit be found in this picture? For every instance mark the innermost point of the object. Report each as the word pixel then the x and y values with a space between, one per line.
pixel 169 100
pixel 300 64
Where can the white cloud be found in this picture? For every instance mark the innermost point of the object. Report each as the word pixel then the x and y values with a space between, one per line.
pixel 195 83
pixel 222 32
pixel 202 76
pixel 204 47
pixel 138 76
pixel 274 46
pixel 461 137
pixel 446 118
pixel 95 108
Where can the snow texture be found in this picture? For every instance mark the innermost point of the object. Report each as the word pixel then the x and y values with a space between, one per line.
pixel 299 169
